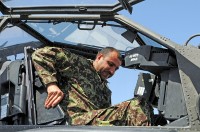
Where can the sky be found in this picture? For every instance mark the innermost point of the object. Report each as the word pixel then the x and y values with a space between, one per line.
pixel 174 19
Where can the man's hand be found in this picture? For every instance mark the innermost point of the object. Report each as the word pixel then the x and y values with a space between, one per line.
pixel 55 95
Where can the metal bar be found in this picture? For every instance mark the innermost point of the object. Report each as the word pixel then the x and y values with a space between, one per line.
pixel 78 9
pixel 3 8
pixel 119 7
pixel 54 17
pixel 60 10
pixel 3 23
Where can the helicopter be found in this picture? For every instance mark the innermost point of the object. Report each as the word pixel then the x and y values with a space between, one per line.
pixel 169 77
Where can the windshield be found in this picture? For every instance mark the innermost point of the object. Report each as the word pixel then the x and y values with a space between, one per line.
pixel 14 35
pixel 23 3
pixel 76 32
pixel 89 33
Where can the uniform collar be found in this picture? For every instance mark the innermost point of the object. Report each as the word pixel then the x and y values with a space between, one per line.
pixel 102 79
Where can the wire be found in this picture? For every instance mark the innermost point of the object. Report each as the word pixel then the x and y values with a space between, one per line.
pixel 191 38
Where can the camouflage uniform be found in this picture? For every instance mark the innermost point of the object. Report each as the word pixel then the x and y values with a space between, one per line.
pixel 87 98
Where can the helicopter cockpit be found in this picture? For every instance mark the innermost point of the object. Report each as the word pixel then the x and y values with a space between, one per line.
pixel 84 29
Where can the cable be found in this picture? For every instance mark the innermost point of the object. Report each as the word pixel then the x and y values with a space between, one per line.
pixel 191 38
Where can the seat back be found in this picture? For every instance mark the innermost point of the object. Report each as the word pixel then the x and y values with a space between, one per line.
pixel 53 116
pixel 23 95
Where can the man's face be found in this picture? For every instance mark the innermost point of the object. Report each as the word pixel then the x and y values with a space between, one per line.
pixel 107 65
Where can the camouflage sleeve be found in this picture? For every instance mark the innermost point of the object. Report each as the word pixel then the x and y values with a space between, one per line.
pixel 46 61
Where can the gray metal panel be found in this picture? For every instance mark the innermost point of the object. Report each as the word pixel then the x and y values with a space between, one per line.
pixel 163 85
pixel 184 121
pixel 174 102
pixel 92 129
pixel 189 69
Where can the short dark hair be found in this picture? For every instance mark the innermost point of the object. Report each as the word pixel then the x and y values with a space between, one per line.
pixel 107 50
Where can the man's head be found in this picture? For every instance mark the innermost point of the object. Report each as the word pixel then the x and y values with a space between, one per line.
pixel 107 62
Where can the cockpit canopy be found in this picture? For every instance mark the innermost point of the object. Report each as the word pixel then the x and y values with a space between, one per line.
pixel 77 23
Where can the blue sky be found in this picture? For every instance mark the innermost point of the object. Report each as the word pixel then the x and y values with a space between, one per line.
pixel 174 19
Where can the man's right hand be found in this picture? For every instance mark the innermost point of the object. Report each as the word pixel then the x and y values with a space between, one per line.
pixel 55 95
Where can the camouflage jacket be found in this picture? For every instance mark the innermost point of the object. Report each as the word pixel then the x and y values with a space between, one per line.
pixel 75 75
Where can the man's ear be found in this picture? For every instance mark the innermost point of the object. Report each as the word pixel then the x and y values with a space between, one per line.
pixel 99 56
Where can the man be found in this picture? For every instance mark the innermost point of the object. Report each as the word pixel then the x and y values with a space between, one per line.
pixel 79 85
